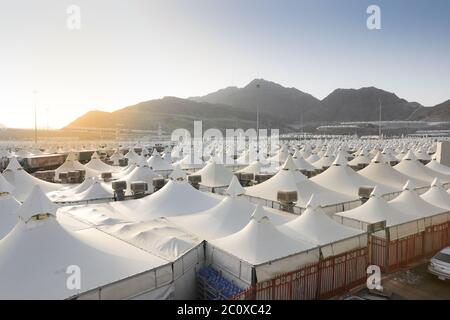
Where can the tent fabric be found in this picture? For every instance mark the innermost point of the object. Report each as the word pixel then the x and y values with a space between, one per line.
pixel 316 227
pixel 34 258
pixel 343 178
pixel 438 167
pixel 157 237
pixel 23 183
pixel 229 216
pixel 8 213
pixel 89 189
pixel 437 196
pixel 410 202
pixel 260 241
pixel 142 174
pixel 175 198
pixel 98 165
pixel 410 167
pixel 36 203
pixel 215 175
pixel 157 163
pixel 294 180
pixel 381 172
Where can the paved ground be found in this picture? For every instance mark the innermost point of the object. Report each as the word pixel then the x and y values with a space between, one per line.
pixel 412 284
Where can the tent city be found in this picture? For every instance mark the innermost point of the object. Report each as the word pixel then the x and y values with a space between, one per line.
pixel 145 155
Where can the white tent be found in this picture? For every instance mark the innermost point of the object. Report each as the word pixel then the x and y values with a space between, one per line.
pixel 215 175
pixel 316 227
pixel 23 182
pixel 116 156
pixel 72 164
pixel 90 189
pixel 410 202
pixel 290 179
pixel 98 165
pixel 375 210
pixel 190 161
pixel 260 246
pixel 438 167
pixel 437 195
pixel 229 216
pixel 8 208
pixel 301 163
pixel 325 161
pixel 142 174
pixel 132 156
pixel 39 255
pixel 411 167
pixel 344 179
pixel 253 168
pixel 360 159
pixel 381 172
pixel 157 163
pixel 177 197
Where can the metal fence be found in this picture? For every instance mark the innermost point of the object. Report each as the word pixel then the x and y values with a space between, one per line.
pixel 322 280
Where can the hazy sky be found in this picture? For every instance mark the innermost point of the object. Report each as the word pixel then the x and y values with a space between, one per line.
pixel 136 50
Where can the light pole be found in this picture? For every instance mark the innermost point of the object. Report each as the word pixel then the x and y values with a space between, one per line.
pixel 379 122
pixel 258 86
pixel 35 116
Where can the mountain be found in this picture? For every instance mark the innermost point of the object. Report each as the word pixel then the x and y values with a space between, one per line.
pixel 169 112
pixel 363 105
pixel 280 107
pixel 440 112
pixel 277 102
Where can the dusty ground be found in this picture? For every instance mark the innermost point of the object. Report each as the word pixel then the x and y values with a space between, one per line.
pixel 412 284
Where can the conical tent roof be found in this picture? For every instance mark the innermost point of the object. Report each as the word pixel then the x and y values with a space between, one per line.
pixel 301 163
pixel 36 203
pixel 13 164
pixel 325 161
pixel 8 213
pixel 5 186
pixel 34 258
pixel 98 165
pixel 72 164
pixel 157 163
pixel 361 158
pixel 344 179
pixel 294 180
pixel 235 189
pixel 141 174
pixel 23 183
pixel 260 241
pixel 253 168
pixel 215 175
pixel 316 227
pixel 438 167
pixel 437 196
pixel 376 209
pixel 175 198
pixel 410 202
pixel 381 172
pixel 410 167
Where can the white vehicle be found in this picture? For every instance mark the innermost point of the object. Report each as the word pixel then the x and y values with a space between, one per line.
pixel 440 264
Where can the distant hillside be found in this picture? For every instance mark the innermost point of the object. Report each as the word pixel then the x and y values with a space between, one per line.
pixel 280 107
pixel 363 105
pixel 440 112
pixel 170 113
pixel 278 102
